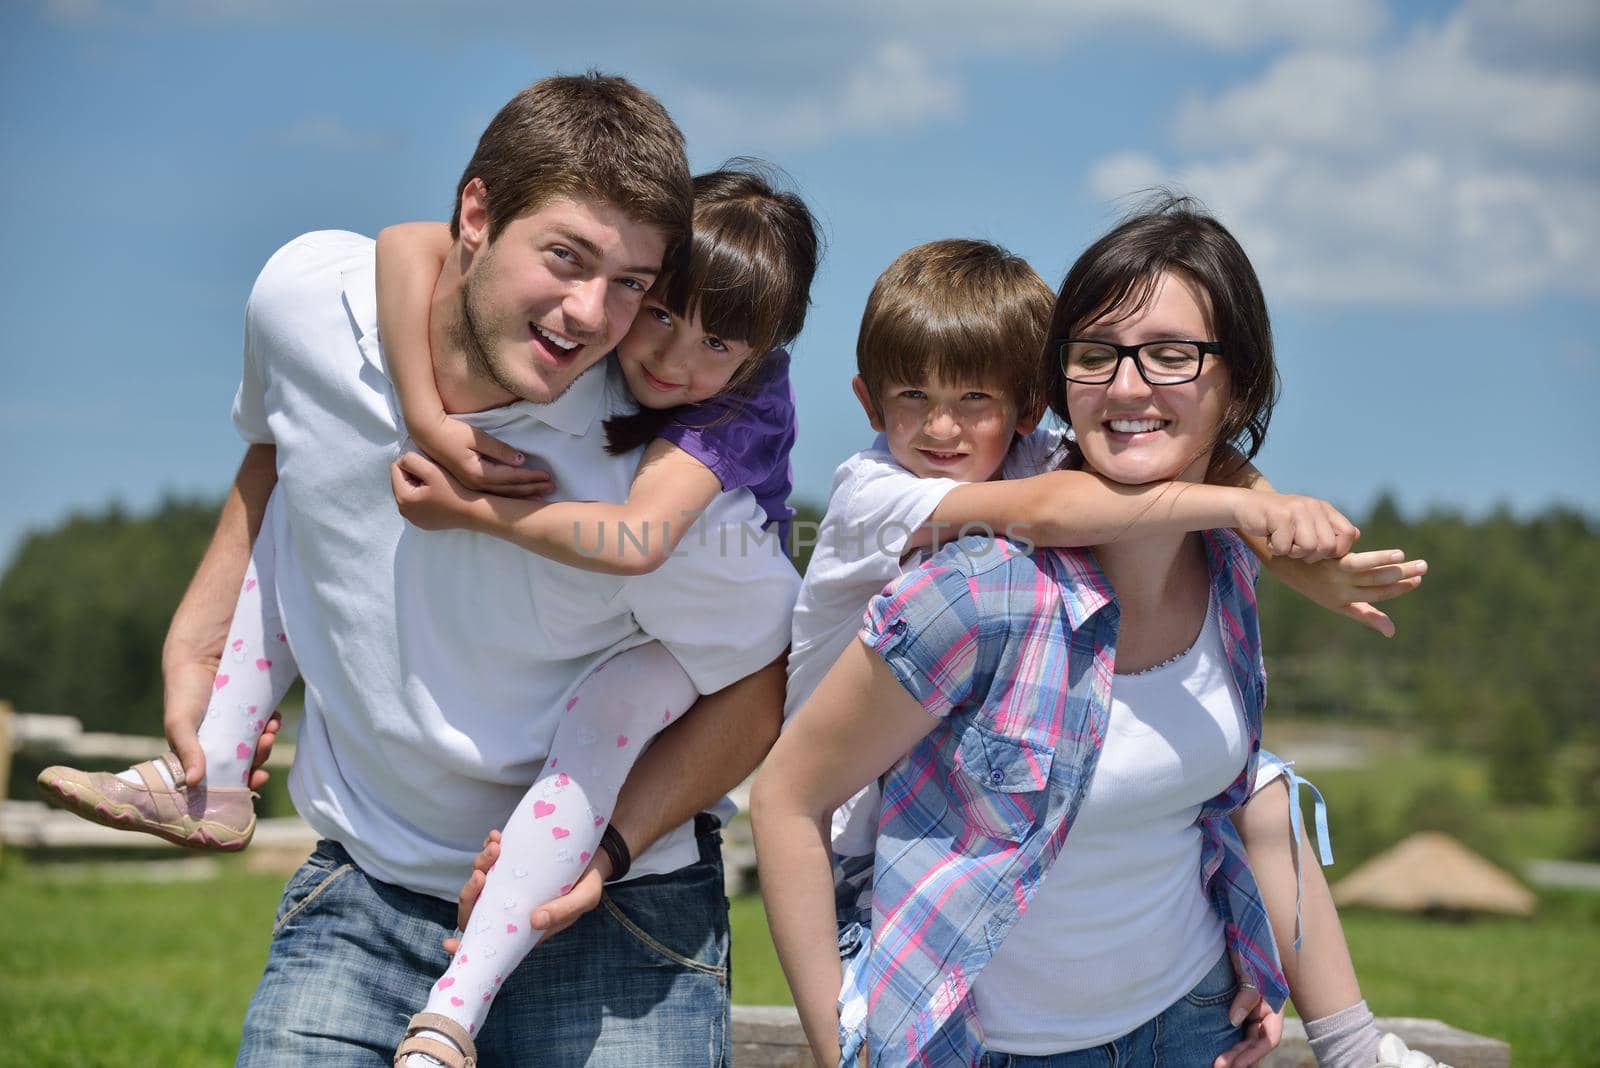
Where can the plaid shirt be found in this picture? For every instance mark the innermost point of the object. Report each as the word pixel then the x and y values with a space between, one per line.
pixel 1015 652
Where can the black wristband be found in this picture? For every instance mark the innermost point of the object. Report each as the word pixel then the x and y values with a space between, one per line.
pixel 621 859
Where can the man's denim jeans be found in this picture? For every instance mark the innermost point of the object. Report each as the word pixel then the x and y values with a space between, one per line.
pixel 1190 1032
pixel 643 979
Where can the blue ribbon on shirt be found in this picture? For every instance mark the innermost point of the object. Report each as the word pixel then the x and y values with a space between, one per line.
pixel 1319 812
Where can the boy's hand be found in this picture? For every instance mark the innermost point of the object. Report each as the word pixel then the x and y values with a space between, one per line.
pixel 480 461
pixel 1352 584
pixel 429 497
pixel 1301 528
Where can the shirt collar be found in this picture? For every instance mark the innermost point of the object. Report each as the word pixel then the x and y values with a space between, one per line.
pixel 573 412
pixel 1227 556
pixel 1090 593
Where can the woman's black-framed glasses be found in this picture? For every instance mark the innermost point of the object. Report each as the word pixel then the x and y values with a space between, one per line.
pixel 1164 362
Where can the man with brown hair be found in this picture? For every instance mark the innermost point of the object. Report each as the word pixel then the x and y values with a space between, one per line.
pixel 438 663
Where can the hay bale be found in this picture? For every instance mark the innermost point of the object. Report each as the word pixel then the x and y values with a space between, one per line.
pixel 1430 872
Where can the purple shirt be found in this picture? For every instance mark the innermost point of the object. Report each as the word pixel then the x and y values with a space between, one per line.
pixel 744 437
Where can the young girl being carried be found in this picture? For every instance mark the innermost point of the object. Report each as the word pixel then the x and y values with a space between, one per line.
pixel 705 361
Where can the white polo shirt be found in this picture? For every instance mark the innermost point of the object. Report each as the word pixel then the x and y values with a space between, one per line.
pixel 439 663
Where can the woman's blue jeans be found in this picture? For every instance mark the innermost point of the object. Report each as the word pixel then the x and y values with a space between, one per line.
pixel 1189 1033
pixel 643 979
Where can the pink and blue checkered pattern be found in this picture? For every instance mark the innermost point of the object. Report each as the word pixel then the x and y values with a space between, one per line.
pixel 1016 653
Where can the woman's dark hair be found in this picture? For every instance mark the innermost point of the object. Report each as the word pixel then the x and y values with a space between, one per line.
pixel 746 273
pixel 1117 276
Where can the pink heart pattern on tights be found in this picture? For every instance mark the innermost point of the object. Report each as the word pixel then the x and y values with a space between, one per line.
pixel 541 809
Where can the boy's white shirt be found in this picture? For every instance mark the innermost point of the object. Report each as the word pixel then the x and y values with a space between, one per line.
pixel 873 509
pixel 439 663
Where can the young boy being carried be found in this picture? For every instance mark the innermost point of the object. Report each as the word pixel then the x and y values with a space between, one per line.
pixel 951 377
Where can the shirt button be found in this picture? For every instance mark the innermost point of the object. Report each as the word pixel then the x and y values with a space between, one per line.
pixel 997 776
pixel 1255 746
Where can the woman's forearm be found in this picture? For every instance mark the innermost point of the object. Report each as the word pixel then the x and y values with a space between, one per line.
pixel 855 726
pixel 797 887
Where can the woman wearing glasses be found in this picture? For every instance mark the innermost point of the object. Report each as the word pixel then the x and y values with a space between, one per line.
pixel 1094 715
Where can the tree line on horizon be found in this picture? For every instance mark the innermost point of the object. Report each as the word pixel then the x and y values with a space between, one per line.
pixel 1495 655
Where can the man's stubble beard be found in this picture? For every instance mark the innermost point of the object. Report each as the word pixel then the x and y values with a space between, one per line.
pixel 468 334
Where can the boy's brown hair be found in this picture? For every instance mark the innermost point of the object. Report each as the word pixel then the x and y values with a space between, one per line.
pixel 963 311
pixel 589 136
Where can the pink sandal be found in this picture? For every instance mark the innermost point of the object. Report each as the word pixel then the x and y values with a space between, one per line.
pixel 220 818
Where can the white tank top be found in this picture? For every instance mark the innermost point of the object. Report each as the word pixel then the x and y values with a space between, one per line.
pixel 1120 928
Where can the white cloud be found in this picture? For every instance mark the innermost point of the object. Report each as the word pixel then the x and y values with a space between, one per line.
pixel 1455 161
pixel 792 75
pixel 1432 169
pixel 896 88
pixel 1225 24
pixel 746 25
pixel 1434 86
pixel 1408 229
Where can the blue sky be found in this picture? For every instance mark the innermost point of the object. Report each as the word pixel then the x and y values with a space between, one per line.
pixel 1419 186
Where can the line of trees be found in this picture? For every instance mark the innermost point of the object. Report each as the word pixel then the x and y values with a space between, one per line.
pixel 1498 654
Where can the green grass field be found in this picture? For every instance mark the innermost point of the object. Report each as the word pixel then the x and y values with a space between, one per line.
pixel 96 972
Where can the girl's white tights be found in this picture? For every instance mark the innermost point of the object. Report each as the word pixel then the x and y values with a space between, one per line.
pixel 257 669
pixel 554 832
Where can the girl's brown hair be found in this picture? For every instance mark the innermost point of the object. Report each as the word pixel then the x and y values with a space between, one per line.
pixel 746 272
pixel 1117 276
